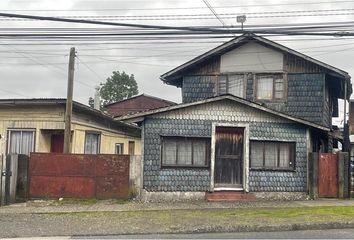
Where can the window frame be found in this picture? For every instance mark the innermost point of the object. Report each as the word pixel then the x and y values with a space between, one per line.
pixel 98 141
pixel 8 142
pixel 176 165
pixel 292 156
pixel 284 78
pixel 121 147
pixel 227 75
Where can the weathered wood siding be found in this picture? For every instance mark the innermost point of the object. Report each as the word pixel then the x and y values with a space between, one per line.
pixel 197 88
pixel 52 118
pixel 306 97
pixel 197 122
pixel 305 80
pixel 251 57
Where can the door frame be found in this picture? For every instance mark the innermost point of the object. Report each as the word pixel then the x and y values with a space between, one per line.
pixel 245 126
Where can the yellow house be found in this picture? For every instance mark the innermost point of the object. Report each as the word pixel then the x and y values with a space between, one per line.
pixel 37 125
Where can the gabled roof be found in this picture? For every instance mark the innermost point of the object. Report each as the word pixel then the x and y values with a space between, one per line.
pixel 78 107
pixel 138 117
pixel 143 95
pixel 171 76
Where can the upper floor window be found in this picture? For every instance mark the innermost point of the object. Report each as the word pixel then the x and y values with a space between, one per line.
pixel 270 86
pixel 232 84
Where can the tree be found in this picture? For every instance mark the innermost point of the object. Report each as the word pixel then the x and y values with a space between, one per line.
pixel 117 87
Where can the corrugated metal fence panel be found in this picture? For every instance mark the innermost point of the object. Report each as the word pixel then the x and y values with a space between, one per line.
pixel 78 175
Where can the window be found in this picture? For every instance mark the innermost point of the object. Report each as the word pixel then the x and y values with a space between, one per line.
pixel 21 141
pixel 272 155
pixel 119 148
pixel 185 151
pixel 270 86
pixel 92 143
pixel 232 84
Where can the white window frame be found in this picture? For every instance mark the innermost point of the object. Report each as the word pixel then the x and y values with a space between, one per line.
pixel 21 130
pixel 98 142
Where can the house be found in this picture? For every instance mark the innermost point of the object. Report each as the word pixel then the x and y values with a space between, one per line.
pixel 37 125
pixel 252 111
pixel 135 104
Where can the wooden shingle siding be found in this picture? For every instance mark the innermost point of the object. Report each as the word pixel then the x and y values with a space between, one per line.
pixel 197 121
pixel 198 87
pixel 294 64
pixel 306 96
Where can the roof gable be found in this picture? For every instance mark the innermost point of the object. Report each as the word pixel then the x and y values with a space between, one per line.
pixel 175 74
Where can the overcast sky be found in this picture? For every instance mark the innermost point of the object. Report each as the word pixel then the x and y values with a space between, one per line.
pixel 40 69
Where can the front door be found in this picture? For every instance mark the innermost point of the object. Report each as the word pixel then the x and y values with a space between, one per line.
pixel 229 157
pixel 57 143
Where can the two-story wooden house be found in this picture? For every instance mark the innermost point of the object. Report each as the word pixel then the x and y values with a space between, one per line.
pixel 252 111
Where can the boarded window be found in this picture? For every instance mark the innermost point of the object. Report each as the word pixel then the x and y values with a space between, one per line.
pixel 21 141
pixel 92 143
pixel 270 86
pixel 119 148
pixel 232 84
pixel 185 151
pixel 272 155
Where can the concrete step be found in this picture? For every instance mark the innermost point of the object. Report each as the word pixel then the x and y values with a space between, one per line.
pixel 220 196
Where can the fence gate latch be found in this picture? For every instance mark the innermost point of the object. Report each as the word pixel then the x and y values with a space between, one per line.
pixel 4 173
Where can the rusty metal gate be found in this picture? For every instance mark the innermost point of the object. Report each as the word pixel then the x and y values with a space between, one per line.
pixel 102 176
pixel 328 175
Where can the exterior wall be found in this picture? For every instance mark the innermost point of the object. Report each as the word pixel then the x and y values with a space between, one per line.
pixel 30 118
pixel 306 96
pixel 197 88
pixel 251 57
pixel 109 139
pixel 197 121
pixel 51 118
pixel 136 104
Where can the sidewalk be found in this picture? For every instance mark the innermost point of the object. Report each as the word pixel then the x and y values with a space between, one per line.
pixel 53 206
pixel 54 218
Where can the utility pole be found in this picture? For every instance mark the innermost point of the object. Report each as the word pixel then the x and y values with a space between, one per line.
pixel 69 101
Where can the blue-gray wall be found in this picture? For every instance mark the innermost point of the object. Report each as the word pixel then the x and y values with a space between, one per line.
pixel 305 95
pixel 193 179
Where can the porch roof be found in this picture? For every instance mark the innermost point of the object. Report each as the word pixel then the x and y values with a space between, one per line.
pixel 139 117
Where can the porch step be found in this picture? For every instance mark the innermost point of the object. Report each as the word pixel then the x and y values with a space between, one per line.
pixel 220 196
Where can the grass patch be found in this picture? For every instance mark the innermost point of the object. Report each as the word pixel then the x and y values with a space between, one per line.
pixel 74 201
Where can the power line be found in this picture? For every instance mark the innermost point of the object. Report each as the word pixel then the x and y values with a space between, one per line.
pixel 176 8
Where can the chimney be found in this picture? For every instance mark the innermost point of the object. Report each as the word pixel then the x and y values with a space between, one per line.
pixel 96 100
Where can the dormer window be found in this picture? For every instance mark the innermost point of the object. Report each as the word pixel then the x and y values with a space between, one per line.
pixel 232 84
pixel 270 87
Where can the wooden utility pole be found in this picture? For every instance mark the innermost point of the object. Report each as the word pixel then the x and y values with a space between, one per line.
pixel 69 101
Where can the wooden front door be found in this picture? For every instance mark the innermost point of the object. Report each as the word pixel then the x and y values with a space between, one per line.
pixel 327 175
pixel 57 143
pixel 228 157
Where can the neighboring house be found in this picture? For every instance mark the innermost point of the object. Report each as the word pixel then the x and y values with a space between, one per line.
pixel 135 104
pixel 252 111
pixel 37 125
pixel 351 128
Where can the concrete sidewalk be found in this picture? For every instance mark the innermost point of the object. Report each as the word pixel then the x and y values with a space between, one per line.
pixel 53 206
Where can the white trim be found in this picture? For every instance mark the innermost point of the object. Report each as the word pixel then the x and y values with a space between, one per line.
pixel 245 154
